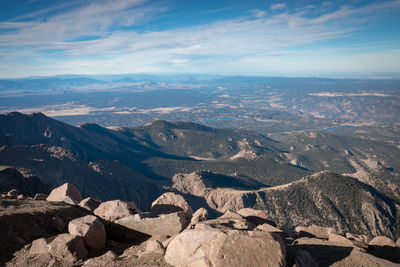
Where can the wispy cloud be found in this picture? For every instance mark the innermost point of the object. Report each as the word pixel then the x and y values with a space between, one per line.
pixel 278 6
pixel 262 40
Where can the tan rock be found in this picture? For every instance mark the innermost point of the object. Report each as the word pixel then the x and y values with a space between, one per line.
pixel 328 253
pixel 164 224
pixel 154 246
pixel 90 229
pixel 68 247
pixel 115 209
pixel 315 231
pixel 231 215
pixel 199 216
pixel 358 238
pixel 40 196
pixel 90 203
pixel 21 196
pixel 382 241
pixel 226 224
pixel 398 242
pixel 268 228
pixel 340 240
pixel 256 216
pixel 170 202
pixel 63 191
pixel 219 248
pixel 70 201
pixel 102 261
pixel 39 246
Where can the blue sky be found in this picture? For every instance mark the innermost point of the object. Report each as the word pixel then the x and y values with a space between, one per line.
pixel 287 38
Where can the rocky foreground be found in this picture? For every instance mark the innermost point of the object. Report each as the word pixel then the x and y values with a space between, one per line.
pixel 62 229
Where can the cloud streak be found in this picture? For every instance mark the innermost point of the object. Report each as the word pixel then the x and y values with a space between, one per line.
pixel 106 37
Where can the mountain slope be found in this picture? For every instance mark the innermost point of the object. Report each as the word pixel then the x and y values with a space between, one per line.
pixel 325 198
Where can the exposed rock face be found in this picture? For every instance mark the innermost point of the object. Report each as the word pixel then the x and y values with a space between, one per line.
pixel 68 247
pixel 359 238
pixel 199 216
pixel 311 200
pixel 170 202
pixel 39 246
pixel 165 224
pixel 382 241
pixel 268 228
pixel 28 220
pixel 154 246
pixel 315 231
pixel 102 261
pixel 90 203
pixel 255 216
pixel 226 224
pixel 330 254
pixel 115 209
pixel 334 238
pixel 231 248
pixel 66 190
pixel 232 215
pixel 90 229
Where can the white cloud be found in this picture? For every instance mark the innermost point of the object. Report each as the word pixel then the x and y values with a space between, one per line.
pixel 278 6
pixel 262 42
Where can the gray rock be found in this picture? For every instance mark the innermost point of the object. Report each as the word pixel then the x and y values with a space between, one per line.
pixel 39 246
pixel 170 202
pixel 90 229
pixel 255 216
pixel 115 209
pixel 102 261
pixel 154 246
pixel 315 231
pixel 68 247
pixel 63 191
pixel 164 224
pixel 226 224
pixel 90 203
pixel 199 216
pixel 382 241
pixel 334 238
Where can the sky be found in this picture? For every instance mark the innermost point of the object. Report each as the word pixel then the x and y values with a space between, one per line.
pixel 227 37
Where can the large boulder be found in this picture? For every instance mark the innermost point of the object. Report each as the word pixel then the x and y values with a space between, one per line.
pixel 90 229
pixel 334 238
pixel 39 246
pixel 115 209
pixel 359 238
pixel 164 224
pixel 255 216
pixel 65 192
pixel 170 202
pixel 68 247
pixel 315 231
pixel 199 247
pixel 382 241
pixel 40 196
pixel 90 203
